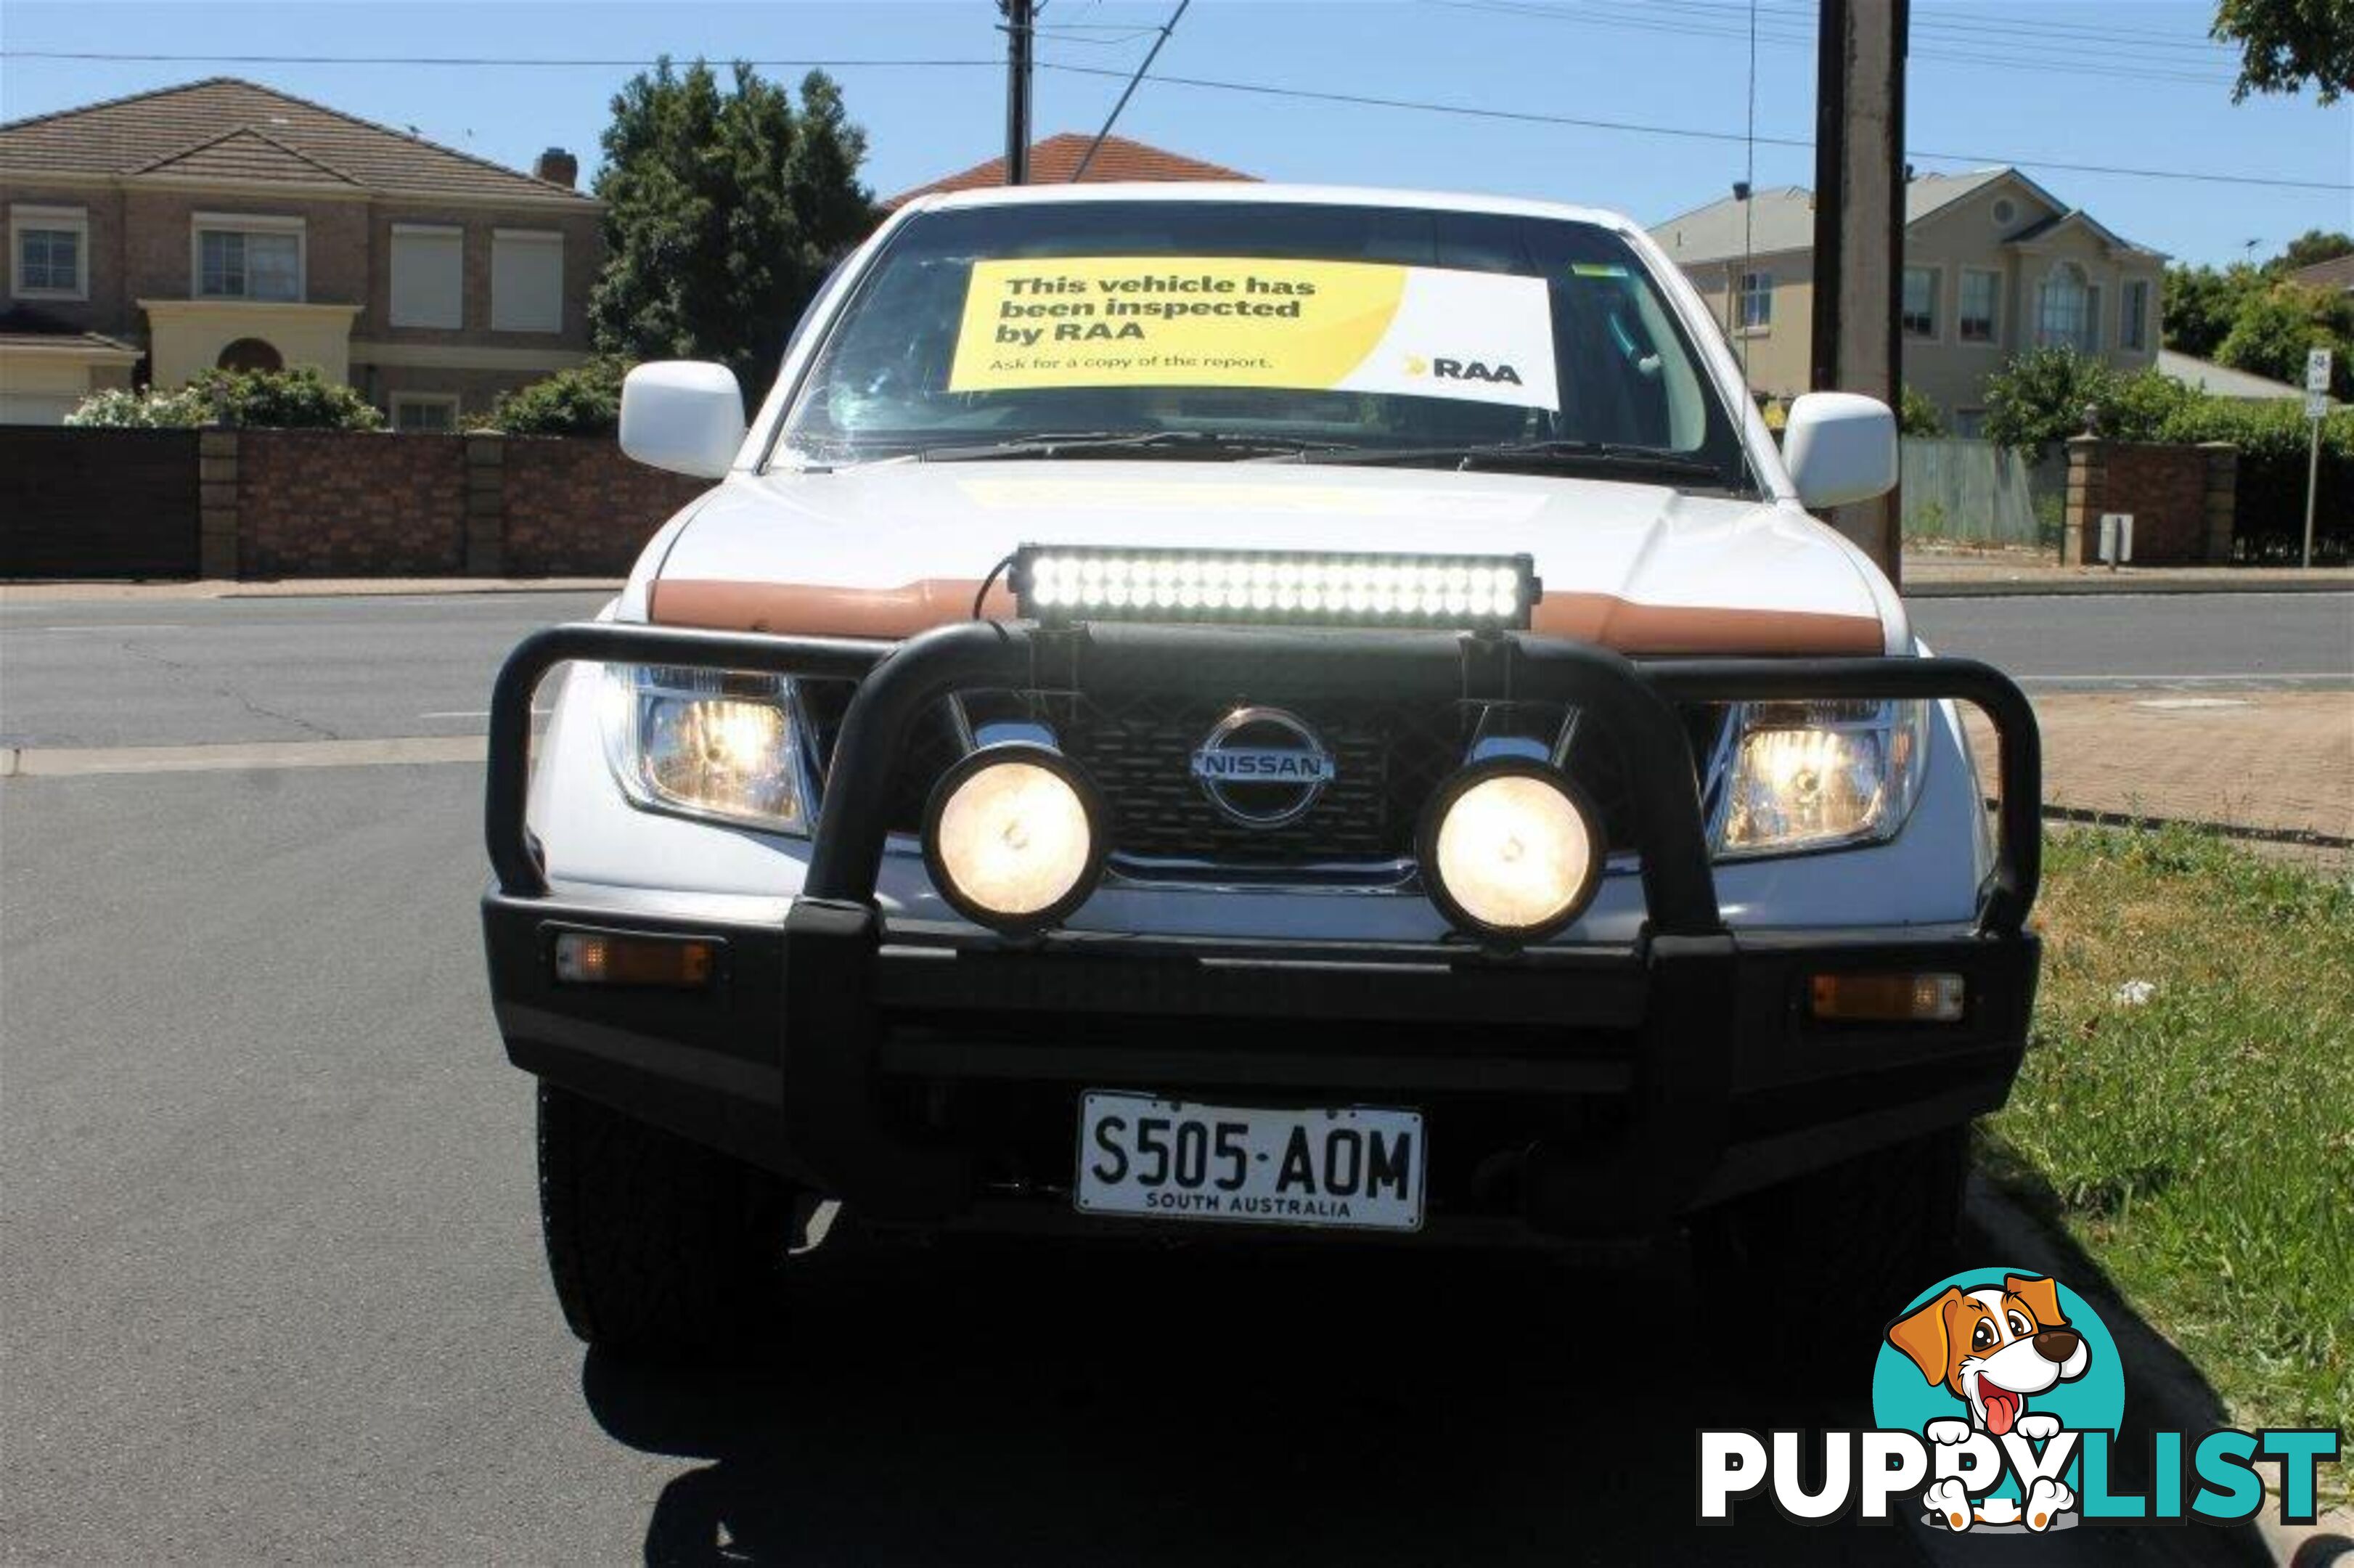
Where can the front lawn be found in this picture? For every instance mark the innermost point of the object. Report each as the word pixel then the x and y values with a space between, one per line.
pixel 2198 1141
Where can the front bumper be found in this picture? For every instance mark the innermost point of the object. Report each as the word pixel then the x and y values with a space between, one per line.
pixel 918 1071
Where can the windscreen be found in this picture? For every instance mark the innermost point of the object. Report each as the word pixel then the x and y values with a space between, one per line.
pixel 1335 327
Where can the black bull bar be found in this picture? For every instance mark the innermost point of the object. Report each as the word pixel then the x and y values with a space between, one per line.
pixel 833 933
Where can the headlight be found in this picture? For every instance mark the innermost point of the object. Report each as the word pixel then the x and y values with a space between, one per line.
pixel 707 742
pixel 1808 776
pixel 1013 837
pixel 1509 849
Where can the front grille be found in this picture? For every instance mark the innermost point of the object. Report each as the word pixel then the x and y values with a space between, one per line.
pixel 1386 760
pixel 1389 757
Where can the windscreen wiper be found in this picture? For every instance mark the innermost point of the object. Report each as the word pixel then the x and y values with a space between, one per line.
pixel 1123 443
pixel 1549 455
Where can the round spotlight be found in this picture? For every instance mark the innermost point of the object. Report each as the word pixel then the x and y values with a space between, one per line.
pixel 1013 837
pixel 1511 849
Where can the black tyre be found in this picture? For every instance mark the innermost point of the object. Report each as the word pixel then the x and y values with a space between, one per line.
pixel 1845 1248
pixel 657 1247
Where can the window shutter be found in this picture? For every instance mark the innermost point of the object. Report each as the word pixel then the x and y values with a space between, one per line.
pixel 428 286
pixel 526 281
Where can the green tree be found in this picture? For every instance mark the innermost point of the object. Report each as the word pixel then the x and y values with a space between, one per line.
pixel 2200 303
pixel 2044 397
pixel 725 209
pixel 2316 246
pixel 2274 329
pixel 585 400
pixel 2283 44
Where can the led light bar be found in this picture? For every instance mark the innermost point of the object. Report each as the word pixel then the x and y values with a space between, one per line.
pixel 1059 585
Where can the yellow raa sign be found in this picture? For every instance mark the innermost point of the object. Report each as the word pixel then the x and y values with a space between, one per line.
pixel 1162 321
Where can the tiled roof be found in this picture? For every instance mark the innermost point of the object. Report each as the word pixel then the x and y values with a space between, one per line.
pixel 231 130
pixel 1055 159
pixel 2335 275
pixel 243 154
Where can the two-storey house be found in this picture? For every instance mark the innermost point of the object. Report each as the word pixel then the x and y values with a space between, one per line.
pixel 1994 265
pixel 224 223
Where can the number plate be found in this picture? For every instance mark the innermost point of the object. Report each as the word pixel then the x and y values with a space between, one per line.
pixel 1168 1159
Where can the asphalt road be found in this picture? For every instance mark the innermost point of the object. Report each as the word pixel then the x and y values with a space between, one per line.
pixel 196 671
pixel 272 1290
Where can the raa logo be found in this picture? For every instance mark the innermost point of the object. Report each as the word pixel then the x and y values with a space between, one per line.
pixel 1461 370
pixel 1997 1399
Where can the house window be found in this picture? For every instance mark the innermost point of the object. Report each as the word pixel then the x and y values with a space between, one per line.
pixel 2133 318
pixel 429 280
pixel 1976 319
pixel 526 280
pixel 2068 314
pixel 248 258
pixel 425 413
pixel 1755 310
pixel 1920 313
pixel 51 246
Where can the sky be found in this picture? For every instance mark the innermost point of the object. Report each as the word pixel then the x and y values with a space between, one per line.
pixel 2124 84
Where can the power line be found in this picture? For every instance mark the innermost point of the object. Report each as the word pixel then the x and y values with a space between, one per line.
pixel 1532 117
pixel 1950 21
pixel 563 62
pixel 1260 89
pixel 1130 90
pixel 1707 22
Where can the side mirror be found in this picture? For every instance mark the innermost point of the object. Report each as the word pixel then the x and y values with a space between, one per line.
pixel 1839 448
pixel 683 414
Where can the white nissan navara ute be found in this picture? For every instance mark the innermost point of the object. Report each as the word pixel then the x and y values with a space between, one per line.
pixel 1208 707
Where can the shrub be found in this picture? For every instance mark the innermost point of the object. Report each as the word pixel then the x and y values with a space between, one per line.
pixel 1917 416
pixel 2139 407
pixel 121 409
pixel 2043 397
pixel 2274 439
pixel 585 400
pixel 299 400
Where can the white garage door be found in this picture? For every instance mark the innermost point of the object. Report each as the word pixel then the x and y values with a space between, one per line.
pixel 36 408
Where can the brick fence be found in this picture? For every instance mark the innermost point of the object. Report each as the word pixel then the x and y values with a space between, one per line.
pixel 2182 499
pixel 294 503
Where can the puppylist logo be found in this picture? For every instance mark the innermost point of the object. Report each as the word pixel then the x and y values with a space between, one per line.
pixel 1997 1399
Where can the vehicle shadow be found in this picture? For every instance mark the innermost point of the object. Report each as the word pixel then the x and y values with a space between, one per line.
pixel 1022 1404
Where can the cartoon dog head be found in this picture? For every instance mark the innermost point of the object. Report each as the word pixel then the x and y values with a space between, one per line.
pixel 1993 1346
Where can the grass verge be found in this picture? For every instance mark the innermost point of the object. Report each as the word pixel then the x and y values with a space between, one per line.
pixel 2198 1142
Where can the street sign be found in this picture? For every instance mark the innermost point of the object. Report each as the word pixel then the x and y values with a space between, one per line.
pixel 2317 404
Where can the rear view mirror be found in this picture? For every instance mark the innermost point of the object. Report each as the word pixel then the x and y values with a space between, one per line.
pixel 683 414
pixel 1839 448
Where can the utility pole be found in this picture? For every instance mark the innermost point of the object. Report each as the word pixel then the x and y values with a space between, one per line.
pixel 1019 20
pixel 1859 230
